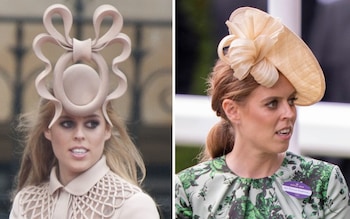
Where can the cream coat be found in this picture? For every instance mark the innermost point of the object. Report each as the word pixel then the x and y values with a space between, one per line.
pixel 97 193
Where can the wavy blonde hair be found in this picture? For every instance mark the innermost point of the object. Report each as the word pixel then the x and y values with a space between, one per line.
pixel 38 158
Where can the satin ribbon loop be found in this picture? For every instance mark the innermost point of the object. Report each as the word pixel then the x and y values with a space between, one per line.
pixel 82 50
pixel 67 18
pixel 248 45
pixel 102 12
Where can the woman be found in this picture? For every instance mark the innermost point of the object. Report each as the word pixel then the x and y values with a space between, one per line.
pixel 78 160
pixel 263 71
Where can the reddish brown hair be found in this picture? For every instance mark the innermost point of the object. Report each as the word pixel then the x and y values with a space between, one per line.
pixel 223 85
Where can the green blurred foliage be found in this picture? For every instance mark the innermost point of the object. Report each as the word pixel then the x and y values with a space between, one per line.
pixel 198 11
pixel 186 156
pixel 199 16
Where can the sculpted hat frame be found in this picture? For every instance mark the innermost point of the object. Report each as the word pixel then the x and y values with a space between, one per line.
pixel 77 87
pixel 260 45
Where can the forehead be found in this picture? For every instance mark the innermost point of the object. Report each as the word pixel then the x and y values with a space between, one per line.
pixel 280 89
pixel 97 113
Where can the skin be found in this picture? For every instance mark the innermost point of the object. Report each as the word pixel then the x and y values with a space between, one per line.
pixel 263 127
pixel 77 142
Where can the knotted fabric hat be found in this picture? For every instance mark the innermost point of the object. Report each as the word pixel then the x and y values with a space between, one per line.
pixel 260 45
pixel 77 87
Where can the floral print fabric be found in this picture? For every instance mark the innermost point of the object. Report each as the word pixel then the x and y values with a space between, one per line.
pixel 211 190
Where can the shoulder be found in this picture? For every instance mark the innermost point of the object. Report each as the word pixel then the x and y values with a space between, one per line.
pixel 329 189
pixel 303 163
pixel 309 169
pixel 316 173
pixel 140 205
pixel 202 177
pixel 117 183
pixel 120 197
pixel 135 203
pixel 33 192
pixel 117 190
pixel 214 167
pixel 31 199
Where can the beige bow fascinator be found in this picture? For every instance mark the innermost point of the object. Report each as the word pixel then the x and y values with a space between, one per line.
pixel 77 87
pixel 260 45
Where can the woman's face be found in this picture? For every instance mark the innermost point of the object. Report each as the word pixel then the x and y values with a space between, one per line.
pixel 77 142
pixel 265 122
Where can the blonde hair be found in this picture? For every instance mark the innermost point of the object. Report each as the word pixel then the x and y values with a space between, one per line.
pixel 38 158
pixel 223 85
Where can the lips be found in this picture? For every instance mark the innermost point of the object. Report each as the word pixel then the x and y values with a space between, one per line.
pixel 79 151
pixel 285 131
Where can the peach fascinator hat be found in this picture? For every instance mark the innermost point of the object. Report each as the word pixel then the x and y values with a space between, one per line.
pixel 260 45
pixel 77 87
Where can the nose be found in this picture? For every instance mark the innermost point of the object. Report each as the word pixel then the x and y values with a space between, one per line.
pixel 79 134
pixel 289 112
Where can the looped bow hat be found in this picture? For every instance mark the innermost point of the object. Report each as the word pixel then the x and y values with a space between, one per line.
pixel 260 45
pixel 77 87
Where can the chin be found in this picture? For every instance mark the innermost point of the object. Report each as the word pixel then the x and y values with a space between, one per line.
pixel 81 167
pixel 284 149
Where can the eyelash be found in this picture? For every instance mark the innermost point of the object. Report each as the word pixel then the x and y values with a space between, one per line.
pixel 66 124
pixel 91 124
pixel 293 99
pixel 272 104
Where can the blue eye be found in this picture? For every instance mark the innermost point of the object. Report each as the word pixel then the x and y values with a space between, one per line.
pixel 92 124
pixel 67 124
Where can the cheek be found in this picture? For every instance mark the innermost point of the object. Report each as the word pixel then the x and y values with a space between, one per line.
pixel 263 122
pixel 59 145
pixel 100 137
pixel 57 142
pixel 58 138
pixel 258 116
pixel 259 121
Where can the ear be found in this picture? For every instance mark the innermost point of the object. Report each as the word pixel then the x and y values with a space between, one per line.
pixel 47 134
pixel 108 132
pixel 231 109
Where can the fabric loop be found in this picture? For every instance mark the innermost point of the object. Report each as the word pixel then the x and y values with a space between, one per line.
pixel 80 50
pixel 67 18
pixel 100 14
pixel 249 43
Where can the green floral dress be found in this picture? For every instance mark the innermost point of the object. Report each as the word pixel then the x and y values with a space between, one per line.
pixel 301 188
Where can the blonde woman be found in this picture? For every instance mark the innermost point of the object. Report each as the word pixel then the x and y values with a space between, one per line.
pixel 78 159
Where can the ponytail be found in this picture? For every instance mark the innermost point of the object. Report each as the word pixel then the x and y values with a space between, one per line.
pixel 220 141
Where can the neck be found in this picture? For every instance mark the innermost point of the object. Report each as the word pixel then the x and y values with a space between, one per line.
pixel 254 165
pixel 65 177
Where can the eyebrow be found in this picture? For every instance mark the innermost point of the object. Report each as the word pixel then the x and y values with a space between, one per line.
pixel 278 97
pixel 85 117
pixel 92 116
